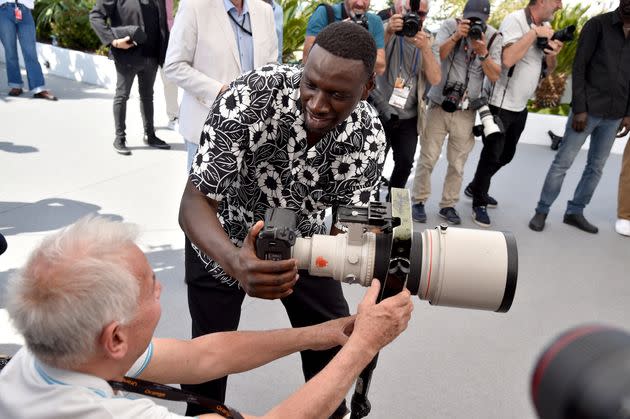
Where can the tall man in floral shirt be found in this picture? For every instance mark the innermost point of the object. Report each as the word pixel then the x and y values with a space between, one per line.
pixel 280 136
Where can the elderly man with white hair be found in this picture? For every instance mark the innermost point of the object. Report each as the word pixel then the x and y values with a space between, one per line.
pixel 87 303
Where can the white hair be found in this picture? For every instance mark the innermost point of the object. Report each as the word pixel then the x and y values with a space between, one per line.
pixel 73 284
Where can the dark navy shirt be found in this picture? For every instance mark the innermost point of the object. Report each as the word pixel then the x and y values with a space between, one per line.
pixel 601 70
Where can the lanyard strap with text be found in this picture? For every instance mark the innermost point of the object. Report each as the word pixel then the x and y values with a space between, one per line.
pixel 401 62
pixel 160 391
pixel 240 25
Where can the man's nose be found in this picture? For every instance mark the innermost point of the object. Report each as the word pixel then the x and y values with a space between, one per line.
pixel 319 103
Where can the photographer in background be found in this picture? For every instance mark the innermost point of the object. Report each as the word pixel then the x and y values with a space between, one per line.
pixel 470 50
pixel 524 64
pixel 411 65
pixel 87 303
pixel 349 10
pixel 600 107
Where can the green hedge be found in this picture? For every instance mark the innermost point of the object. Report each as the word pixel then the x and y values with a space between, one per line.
pixel 66 23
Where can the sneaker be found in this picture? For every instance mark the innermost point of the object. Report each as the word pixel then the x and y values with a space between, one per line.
pixel 153 141
pixel 450 215
pixel 623 227
pixel 417 213
pixel 480 216
pixel 537 223
pixel 120 145
pixel 492 203
pixel 172 124
pixel 578 220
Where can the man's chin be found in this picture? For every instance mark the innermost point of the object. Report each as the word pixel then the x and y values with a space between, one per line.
pixel 318 126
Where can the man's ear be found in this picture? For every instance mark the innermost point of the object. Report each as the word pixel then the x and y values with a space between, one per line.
pixel 114 341
pixel 369 86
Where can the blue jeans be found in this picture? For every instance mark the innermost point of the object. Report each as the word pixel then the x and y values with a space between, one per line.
pixel 602 132
pixel 24 30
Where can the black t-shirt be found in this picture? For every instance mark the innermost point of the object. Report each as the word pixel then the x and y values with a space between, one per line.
pixel 151 18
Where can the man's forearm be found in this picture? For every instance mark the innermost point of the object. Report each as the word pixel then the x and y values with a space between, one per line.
pixel 321 395
pixel 431 67
pixel 198 219
pixel 491 69
pixel 515 52
pixel 379 65
pixel 447 46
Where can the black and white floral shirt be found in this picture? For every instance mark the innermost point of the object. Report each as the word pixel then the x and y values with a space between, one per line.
pixel 253 155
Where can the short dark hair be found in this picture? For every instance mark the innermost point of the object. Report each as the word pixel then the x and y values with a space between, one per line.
pixel 532 2
pixel 349 40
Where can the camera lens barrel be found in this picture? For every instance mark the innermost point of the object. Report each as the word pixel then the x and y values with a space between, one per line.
pixel 584 374
pixel 467 268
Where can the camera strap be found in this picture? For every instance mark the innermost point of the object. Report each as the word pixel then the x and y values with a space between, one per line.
pixel 164 392
pixel 161 391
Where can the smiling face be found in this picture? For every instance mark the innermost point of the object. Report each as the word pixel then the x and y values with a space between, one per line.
pixel 330 89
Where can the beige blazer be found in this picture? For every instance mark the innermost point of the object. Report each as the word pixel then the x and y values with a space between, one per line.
pixel 202 55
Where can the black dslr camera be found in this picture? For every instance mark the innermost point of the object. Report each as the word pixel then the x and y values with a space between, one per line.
pixel 277 237
pixel 563 35
pixel 411 21
pixel 361 19
pixel 477 29
pixel 453 93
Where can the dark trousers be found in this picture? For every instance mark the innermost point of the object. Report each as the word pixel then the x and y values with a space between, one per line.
pixel 402 137
pixel 498 153
pixel 216 307
pixel 125 75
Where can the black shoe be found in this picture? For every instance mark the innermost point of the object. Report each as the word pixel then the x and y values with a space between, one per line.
pixel 490 201
pixel 578 220
pixel 120 145
pixel 555 140
pixel 417 213
pixel 450 215
pixel 537 223
pixel 15 91
pixel 480 216
pixel 153 141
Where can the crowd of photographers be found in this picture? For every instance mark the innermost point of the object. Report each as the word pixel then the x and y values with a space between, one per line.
pixel 433 87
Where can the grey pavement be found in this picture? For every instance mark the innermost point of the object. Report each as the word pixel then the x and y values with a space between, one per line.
pixel 57 165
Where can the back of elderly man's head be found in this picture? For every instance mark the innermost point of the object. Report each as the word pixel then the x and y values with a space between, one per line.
pixel 73 284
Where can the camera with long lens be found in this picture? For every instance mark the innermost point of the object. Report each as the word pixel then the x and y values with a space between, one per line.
pixel 411 20
pixel 447 266
pixel 563 35
pixel 361 19
pixel 477 28
pixel 584 374
pixel 491 126
pixel 453 93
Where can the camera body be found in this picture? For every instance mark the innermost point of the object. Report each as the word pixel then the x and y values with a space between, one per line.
pixel 563 35
pixel 361 19
pixel 278 235
pixel 411 21
pixel 453 93
pixel 477 28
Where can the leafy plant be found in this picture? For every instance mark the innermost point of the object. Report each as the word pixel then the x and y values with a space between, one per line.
pixel 296 15
pixel 67 22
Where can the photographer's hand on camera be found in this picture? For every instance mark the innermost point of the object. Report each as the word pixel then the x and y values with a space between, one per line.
pixel 463 27
pixel 394 24
pixel 543 31
pixel 262 278
pixel 554 48
pixel 479 46
pixel 376 325
pixel 421 40
pixel 123 43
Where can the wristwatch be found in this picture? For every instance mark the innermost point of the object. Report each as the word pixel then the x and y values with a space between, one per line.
pixel 482 58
